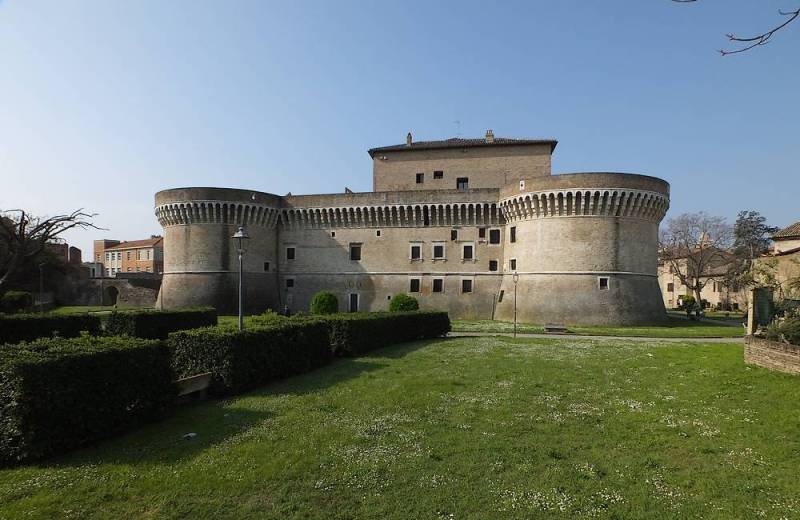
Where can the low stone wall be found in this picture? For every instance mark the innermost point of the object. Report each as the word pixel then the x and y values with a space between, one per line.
pixel 772 354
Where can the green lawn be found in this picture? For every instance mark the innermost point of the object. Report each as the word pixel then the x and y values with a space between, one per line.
pixel 82 309
pixel 673 327
pixel 460 428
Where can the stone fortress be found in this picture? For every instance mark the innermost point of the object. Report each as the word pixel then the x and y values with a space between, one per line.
pixel 456 223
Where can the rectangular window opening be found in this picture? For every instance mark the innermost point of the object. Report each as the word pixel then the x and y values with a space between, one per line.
pixel 468 252
pixel 438 174
pixel 466 286
pixel 266 267
pixel 438 285
pixel 482 232
pixel 453 234
pixel 289 283
pixel 290 253
pixel 513 236
pixel 513 264
pixel 603 283
pixel 500 296
pixel 493 265
pixel 494 236
pixel 420 178
pixel 438 251
pixel 353 304
pixel 416 252
pixel 462 183
pixel 413 285
pixel 355 252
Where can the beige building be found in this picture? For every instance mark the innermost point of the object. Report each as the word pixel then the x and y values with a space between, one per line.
pixel 715 291
pixel 135 256
pixel 458 223
pixel 781 268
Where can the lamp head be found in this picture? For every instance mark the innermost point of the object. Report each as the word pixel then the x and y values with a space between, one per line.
pixel 241 234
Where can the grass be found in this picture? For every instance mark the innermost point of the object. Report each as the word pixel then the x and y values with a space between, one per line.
pixel 673 327
pixel 462 428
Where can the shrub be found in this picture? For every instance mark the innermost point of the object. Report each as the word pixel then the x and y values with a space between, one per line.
pixel 28 327
pixel 16 301
pixel 324 302
pixel 786 330
pixel 57 394
pixel 689 302
pixel 244 360
pixel 154 324
pixel 403 303
pixel 354 334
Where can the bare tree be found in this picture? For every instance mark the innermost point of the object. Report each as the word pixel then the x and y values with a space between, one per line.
pixel 695 245
pixel 23 237
pixel 745 44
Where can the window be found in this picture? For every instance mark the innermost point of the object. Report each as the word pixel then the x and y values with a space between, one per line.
pixel 147 253
pixel 355 252
pixel 453 234
pixel 138 254
pixel 290 253
pixel 416 252
pixel 438 174
pixel 462 183
pixel 353 307
pixel 482 232
pixel 513 237
pixel 413 285
pixel 468 251
pixel 108 257
pixel 438 251
pixel 466 286
pixel 513 264
pixel 378 233
pixel 603 283
pixel 333 234
pixel 128 255
pixel 670 287
pixel 420 178
pixel 266 267
pixel 289 283
pixel 494 236
pixel 493 265
pixel 438 285
pixel 500 296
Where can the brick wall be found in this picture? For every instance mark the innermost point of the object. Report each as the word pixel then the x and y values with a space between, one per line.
pixel 772 355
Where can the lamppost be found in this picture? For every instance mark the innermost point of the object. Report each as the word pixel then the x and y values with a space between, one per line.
pixel 41 287
pixel 515 277
pixel 240 236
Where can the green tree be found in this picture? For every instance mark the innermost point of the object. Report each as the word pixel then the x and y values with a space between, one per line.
pixel 324 302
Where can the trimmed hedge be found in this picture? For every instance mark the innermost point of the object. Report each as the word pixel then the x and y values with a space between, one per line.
pixel 403 303
pixel 155 324
pixel 240 361
pixel 16 301
pixel 57 394
pixel 28 327
pixel 357 333
pixel 324 302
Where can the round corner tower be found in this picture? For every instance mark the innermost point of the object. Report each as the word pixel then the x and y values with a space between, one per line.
pixel 200 257
pixel 584 248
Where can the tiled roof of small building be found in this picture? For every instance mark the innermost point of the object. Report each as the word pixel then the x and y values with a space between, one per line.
pixel 149 242
pixel 792 231
pixel 458 142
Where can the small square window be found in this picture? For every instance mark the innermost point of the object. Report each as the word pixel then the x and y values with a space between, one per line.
pixel 466 286
pixel 438 251
pixel 500 296
pixel 289 283
pixel 482 232
pixel 333 234
pixel 670 287
pixel 453 234
pixel 468 252
pixel 416 252
pixel 603 282
pixel 413 285
pixel 266 267
pixel 290 253
pixel 438 174
pixel 438 285
pixel 355 252
pixel 513 237
pixel 420 178
pixel 378 233
pixel 513 264
pixel 494 236
pixel 493 265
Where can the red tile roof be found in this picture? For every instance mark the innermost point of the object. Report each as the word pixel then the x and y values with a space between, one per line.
pixel 792 231
pixel 132 244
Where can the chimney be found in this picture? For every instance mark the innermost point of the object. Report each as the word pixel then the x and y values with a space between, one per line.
pixel 408 139
pixel 489 136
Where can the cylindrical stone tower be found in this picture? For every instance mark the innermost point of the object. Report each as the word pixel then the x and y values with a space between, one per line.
pixel 585 249
pixel 200 257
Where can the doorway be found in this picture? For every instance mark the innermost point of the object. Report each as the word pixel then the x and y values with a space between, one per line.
pixel 353 307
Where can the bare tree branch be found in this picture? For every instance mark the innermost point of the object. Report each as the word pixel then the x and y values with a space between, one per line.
pixel 757 40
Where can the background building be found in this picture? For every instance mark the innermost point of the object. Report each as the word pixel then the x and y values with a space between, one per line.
pixel 451 222
pixel 135 256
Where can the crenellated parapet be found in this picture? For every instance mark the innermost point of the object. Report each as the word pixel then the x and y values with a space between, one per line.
pixel 216 212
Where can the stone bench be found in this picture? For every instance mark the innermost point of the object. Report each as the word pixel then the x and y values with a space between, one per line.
pixel 551 328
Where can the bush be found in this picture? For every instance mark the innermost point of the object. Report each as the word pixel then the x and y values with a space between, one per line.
pixel 354 334
pixel 28 327
pixel 57 394
pixel 154 324
pixel 324 302
pixel 16 301
pixel 786 330
pixel 689 302
pixel 403 303
pixel 244 360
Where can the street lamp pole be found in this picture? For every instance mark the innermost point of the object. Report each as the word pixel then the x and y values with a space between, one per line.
pixel 240 236
pixel 515 277
pixel 41 287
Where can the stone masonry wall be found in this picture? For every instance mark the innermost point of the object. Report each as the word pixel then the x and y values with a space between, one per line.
pixel 772 355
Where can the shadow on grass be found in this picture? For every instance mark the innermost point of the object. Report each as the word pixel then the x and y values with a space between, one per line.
pixel 218 420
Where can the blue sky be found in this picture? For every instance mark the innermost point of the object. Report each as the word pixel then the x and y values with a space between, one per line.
pixel 104 103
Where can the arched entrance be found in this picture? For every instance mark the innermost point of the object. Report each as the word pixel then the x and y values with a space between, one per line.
pixel 110 295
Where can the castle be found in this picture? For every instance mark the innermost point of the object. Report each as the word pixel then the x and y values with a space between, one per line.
pixel 458 223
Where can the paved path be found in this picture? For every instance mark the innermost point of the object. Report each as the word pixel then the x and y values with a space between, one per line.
pixel 608 338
